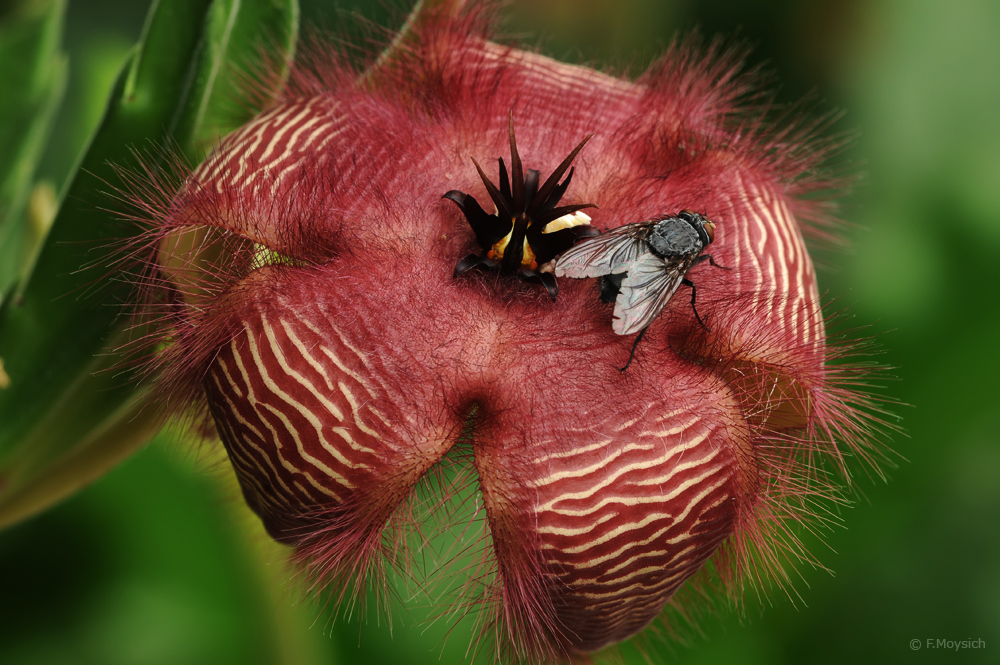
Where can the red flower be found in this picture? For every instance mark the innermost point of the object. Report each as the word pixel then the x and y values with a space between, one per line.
pixel 309 270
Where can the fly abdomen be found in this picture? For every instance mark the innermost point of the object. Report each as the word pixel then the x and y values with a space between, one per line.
pixel 611 286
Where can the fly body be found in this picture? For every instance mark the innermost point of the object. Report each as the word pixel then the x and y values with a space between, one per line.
pixel 642 265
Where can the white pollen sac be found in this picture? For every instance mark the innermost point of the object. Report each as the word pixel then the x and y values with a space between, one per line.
pixel 577 218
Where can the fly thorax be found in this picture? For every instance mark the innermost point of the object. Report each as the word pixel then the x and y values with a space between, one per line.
pixel 674 237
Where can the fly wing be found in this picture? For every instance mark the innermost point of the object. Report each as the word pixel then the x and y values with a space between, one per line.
pixel 607 254
pixel 645 291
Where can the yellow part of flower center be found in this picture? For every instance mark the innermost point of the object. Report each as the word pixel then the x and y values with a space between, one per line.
pixel 527 256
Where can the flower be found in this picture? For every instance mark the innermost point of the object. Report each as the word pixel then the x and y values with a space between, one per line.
pixel 312 279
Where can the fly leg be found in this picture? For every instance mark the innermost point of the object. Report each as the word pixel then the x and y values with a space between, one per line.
pixel 694 291
pixel 634 344
pixel 710 260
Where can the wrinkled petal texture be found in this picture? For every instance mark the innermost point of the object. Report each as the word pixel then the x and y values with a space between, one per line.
pixel 340 374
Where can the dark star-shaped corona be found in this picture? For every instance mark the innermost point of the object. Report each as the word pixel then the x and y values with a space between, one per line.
pixel 527 231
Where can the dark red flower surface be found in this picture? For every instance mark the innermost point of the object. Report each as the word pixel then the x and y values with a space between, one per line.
pixel 309 270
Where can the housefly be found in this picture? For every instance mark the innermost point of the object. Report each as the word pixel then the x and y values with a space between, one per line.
pixel 641 266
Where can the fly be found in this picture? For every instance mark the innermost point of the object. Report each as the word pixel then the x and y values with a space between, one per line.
pixel 641 266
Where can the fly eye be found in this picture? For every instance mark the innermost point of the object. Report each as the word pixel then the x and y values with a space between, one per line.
pixel 710 231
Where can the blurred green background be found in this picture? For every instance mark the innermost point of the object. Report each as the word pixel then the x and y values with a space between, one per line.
pixel 159 563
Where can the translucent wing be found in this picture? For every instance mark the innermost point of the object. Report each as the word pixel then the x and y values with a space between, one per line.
pixel 645 291
pixel 606 254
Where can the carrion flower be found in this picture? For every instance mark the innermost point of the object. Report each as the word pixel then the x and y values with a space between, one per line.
pixel 318 295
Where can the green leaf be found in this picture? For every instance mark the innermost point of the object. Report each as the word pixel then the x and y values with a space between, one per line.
pixel 247 40
pixel 59 332
pixel 33 72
